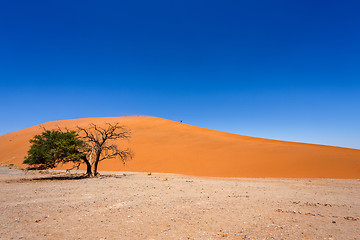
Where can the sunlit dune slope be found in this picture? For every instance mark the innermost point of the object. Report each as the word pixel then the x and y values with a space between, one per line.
pixel 166 146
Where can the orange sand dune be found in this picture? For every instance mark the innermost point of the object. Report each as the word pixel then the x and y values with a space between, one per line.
pixel 166 146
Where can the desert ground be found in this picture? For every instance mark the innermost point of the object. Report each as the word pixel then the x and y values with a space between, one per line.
pixel 130 205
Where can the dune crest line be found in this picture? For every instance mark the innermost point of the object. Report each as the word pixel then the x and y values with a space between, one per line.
pixel 166 146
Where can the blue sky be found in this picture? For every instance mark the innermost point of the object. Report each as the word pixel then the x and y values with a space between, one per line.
pixel 287 70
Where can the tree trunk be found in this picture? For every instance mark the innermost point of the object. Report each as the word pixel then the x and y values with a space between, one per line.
pixel 95 168
pixel 96 164
pixel 88 169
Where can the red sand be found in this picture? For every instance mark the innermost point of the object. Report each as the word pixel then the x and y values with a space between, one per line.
pixel 171 147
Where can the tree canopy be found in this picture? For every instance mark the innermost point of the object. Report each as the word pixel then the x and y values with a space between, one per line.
pixel 53 147
pixel 87 145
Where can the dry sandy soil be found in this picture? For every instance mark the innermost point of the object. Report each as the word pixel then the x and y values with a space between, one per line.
pixel 169 206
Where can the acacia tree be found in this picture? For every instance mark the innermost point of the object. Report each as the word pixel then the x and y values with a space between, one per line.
pixel 94 144
pixel 101 145
pixel 53 147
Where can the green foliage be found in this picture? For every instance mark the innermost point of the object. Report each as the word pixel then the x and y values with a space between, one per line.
pixel 53 147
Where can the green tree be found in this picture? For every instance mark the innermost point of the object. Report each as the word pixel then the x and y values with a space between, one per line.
pixel 53 147
pixel 95 144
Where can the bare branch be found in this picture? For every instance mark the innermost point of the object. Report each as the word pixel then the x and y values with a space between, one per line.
pixel 102 145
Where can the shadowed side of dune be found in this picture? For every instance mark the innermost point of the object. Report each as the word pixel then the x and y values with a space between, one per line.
pixel 166 146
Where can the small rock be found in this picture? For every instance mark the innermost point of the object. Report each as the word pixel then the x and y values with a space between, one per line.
pixel 350 218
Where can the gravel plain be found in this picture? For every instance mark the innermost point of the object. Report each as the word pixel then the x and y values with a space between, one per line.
pixel 127 205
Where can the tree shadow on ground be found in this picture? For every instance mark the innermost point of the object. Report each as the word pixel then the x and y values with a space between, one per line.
pixel 55 178
pixel 72 177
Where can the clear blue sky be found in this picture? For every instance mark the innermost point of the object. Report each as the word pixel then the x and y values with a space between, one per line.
pixel 287 70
